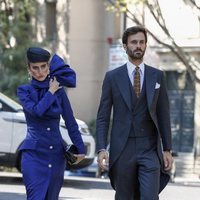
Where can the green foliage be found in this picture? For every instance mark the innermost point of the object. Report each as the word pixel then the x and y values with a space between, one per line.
pixel 120 6
pixel 15 36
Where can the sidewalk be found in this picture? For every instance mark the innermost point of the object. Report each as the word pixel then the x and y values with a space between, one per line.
pixel 186 180
pixel 192 179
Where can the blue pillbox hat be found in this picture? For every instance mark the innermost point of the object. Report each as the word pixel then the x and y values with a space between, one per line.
pixel 37 54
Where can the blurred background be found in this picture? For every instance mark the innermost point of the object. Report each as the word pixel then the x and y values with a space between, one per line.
pixel 87 34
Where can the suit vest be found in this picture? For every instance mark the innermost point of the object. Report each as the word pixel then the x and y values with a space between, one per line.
pixel 142 124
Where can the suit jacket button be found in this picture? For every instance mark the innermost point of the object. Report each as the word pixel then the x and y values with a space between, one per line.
pixel 51 147
pixel 48 129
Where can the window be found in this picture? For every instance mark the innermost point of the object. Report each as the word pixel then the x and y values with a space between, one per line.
pixel 51 28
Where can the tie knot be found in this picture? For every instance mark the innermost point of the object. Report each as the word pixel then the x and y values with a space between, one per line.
pixel 137 68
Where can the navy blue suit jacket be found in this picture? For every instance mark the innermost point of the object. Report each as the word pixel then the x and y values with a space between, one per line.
pixel 116 95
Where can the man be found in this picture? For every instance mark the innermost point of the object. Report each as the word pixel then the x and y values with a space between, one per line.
pixel 140 140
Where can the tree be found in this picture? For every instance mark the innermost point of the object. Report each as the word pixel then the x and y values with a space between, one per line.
pixel 155 10
pixel 16 34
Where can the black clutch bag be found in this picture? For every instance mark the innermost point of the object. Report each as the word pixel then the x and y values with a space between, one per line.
pixel 69 154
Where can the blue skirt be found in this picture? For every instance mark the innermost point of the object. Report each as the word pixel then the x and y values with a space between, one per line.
pixel 43 171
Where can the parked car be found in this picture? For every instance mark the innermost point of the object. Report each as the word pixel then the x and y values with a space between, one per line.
pixel 13 131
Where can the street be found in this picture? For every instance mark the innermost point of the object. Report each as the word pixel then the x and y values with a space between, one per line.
pixel 87 188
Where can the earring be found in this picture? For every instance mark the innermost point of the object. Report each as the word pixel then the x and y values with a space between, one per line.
pixel 49 74
pixel 29 76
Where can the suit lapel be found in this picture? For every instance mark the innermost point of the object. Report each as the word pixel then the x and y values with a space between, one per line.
pixel 123 82
pixel 151 79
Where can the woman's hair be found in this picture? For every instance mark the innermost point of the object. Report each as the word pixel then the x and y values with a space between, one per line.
pixel 132 31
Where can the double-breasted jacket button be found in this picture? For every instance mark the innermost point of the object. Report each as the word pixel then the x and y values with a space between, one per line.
pixel 48 129
pixel 50 165
pixel 50 147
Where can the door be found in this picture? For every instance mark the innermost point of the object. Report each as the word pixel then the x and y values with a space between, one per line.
pixel 181 92
pixel 182 119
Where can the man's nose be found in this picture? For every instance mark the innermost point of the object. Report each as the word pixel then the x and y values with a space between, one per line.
pixel 138 44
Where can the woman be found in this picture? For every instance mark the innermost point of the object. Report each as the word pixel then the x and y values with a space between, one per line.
pixel 44 101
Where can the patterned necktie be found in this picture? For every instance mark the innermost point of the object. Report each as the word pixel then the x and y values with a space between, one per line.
pixel 137 81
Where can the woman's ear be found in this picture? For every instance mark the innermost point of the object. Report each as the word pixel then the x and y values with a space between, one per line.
pixel 29 74
pixel 28 70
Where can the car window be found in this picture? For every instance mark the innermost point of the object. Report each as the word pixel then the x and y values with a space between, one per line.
pixel 8 104
pixel 5 108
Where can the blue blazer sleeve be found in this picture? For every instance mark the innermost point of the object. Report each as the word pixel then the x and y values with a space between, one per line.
pixel 71 124
pixel 163 115
pixel 36 108
pixel 104 112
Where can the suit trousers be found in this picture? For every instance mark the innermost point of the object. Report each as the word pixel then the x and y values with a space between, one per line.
pixel 137 171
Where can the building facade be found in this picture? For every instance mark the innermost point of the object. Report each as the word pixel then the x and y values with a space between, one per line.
pixel 80 31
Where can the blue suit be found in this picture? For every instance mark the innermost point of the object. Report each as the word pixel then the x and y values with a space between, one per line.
pixel 140 132
pixel 43 161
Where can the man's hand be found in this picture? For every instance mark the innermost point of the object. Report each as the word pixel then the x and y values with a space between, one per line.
pixel 103 159
pixel 168 160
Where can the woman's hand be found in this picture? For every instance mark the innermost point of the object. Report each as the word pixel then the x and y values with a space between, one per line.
pixel 79 157
pixel 53 85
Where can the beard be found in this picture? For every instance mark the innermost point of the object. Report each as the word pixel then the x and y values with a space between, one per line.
pixel 135 54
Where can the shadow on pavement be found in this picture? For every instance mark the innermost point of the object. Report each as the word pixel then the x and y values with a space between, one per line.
pixel 68 198
pixel 185 184
pixel 17 196
pixel 74 182
pixel 11 180
pixel 87 184
pixel 12 196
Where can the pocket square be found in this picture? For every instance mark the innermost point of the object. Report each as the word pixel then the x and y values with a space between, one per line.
pixel 157 86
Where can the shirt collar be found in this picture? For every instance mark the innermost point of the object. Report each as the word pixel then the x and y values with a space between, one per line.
pixel 131 67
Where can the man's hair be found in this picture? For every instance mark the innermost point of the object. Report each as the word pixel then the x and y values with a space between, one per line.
pixel 132 31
